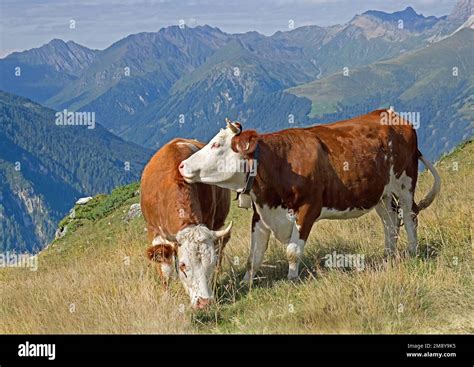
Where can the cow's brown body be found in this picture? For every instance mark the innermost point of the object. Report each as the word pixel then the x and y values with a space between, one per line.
pixel 183 222
pixel 169 204
pixel 340 166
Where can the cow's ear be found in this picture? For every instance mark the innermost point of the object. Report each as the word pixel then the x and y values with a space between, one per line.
pixel 160 253
pixel 245 143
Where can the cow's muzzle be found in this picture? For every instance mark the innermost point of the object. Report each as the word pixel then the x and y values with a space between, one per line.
pixel 188 175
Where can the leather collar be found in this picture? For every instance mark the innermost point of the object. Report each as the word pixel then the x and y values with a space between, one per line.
pixel 252 172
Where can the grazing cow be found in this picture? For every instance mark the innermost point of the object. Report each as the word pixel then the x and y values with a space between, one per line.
pixel 183 221
pixel 336 171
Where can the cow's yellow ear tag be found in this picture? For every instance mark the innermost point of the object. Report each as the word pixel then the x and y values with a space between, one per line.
pixel 245 201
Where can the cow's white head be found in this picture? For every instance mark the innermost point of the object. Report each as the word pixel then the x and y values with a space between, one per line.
pixel 224 160
pixel 194 252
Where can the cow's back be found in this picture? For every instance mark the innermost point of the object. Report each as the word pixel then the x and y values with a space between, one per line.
pixel 362 154
pixel 169 203
pixel 347 163
pixel 367 135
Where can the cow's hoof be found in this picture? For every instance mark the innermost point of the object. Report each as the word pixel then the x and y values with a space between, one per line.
pixel 413 252
pixel 390 253
pixel 247 278
pixel 293 276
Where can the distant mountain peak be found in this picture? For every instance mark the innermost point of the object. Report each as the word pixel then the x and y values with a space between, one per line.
pixel 409 10
pixel 173 28
pixel 408 14
pixel 176 29
pixel 207 27
pixel 63 56
pixel 59 43
pixel 462 11
pixel 56 41
pixel 379 22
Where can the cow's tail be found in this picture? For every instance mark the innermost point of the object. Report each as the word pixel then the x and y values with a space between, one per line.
pixel 429 198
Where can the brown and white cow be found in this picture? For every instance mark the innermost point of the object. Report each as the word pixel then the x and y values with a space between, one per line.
pixel 335 171
pixel 183 221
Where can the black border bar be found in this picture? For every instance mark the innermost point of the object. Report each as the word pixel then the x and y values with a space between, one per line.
pixel 201 349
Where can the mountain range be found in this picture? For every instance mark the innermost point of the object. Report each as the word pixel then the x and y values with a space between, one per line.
pixel 435 82
pixel 150 87
pixel 45 168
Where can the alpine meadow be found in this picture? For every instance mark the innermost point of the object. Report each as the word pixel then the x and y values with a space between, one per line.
pixel 119 292
pixel 340 130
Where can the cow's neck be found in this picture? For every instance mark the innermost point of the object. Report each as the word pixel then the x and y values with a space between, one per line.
pixel 188 207
pixel 268 188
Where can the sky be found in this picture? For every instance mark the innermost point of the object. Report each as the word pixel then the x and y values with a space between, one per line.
pixel 25 24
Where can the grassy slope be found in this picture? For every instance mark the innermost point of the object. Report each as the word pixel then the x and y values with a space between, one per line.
pixel 96 279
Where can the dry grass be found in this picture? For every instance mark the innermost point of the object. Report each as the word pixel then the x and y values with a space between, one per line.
pixel 96 280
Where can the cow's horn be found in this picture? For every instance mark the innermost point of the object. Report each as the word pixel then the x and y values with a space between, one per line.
pixel 223 232
pixel 232 127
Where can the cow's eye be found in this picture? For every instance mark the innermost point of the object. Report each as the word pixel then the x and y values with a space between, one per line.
pixel 182 267
pixel 215 145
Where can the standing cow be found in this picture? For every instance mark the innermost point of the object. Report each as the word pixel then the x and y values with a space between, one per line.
pixel 336 171
pixel 183 221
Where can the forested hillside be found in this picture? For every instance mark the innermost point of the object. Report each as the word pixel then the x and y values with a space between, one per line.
pixel 44 168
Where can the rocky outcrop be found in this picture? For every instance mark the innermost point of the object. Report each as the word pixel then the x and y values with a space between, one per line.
pixel 135 211
pixel 83 201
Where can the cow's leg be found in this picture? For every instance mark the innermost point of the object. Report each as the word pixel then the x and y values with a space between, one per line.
pixel 305 219
pixel 259 243
pixel 294 252
pixel 409 219
pixel 391 223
